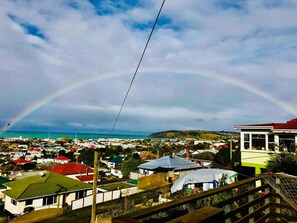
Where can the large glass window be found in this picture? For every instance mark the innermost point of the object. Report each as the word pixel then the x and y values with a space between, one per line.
pixel 29 202
pixel 287 143
pixel 246 141
pixel 258 141
pixel 271 145
pixel 49 200
pixel 80 194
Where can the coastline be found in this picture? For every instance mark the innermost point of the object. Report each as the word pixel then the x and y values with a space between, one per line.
pixel 56 135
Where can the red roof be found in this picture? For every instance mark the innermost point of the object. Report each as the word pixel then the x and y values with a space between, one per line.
pixel 62 158
pixel 85 177
pixel 92 147
pixel 34 150
pixel 72 149
pixel 225 146
pixel 21 161
pixel 291 124
pixel 70 168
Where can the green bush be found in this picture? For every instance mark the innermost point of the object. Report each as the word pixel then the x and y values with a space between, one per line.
pixel 28 209
pixel 66 208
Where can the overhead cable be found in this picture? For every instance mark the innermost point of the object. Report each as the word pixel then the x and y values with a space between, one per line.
pixel 136 71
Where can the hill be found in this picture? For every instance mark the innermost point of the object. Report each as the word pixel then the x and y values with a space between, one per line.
pixel 195 134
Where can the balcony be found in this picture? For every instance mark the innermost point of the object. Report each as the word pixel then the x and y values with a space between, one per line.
pixel 273 201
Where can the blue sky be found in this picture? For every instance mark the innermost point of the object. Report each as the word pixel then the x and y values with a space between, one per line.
pixel 66 65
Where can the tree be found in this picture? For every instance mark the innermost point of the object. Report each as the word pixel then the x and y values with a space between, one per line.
pixel 129 165
pixel 223 156
pixel 87 157
pixel 283 162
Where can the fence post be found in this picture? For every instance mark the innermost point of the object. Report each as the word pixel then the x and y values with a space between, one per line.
pixel 250 199
pixel 227 208
pixel 267 200
pixel 278 199
pixel 192 206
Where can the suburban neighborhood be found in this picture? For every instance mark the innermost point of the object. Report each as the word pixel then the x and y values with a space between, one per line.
pixel 59 173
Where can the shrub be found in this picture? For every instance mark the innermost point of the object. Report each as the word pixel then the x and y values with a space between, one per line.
pixel 28 209
pixel 66 208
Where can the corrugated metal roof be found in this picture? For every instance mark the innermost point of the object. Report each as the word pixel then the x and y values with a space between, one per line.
pixel 169 162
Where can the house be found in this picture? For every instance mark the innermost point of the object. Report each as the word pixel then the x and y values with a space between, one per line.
pixel 115 161
pixel 34 152
pixel 258 141
pixel 61 159
pixel 166 164
pixel 21 161
pixel 204 179
pixel 45 190
pixel 115 166
pixel 71 169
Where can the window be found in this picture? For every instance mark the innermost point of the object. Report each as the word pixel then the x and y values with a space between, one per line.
pixel 80 194
pixel 49 200
pixel 29 202
pixel 246 141
pixel 258 141
pixel 14 202
pixel 271 144
pixel 287 143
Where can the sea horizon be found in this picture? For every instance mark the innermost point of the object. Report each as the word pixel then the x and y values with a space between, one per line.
pixel 71 135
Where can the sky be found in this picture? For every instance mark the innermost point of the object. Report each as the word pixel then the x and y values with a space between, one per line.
pixel 66 65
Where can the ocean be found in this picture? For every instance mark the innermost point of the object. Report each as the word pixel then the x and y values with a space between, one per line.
pixel 56 135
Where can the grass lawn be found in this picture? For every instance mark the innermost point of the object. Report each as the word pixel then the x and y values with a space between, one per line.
pixel 36 216
pixel 115 186
pixel 82 215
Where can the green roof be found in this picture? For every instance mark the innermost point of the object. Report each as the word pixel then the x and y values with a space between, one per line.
pixel 48 184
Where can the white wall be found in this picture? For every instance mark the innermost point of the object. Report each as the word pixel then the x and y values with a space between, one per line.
pixel 103 197
pixel 18 209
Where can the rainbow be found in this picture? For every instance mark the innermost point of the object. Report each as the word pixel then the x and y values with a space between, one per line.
pixel 214 75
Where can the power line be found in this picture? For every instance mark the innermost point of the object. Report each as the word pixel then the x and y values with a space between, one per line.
pixel 136 71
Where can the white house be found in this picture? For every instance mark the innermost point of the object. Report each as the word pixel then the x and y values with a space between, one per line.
pixel 258 141
pixel 45 190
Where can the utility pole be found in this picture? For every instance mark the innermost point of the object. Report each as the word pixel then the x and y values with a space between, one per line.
pixel 93 217
pixel 231 139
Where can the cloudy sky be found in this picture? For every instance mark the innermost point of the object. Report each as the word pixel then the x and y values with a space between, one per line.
pixel 66 65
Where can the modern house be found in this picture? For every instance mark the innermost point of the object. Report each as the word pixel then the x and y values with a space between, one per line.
pixel 45 190
pixel 258 141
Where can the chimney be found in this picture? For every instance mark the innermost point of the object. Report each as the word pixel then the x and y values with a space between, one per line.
pixel 187 154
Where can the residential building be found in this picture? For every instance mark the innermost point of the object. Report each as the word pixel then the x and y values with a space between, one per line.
pixel 61 159
pixel 71 169
pixel 45 190
pixel 167 164
pixel 258 141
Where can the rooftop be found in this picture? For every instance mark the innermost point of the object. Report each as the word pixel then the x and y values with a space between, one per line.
pixel 42 184
pixel 170 163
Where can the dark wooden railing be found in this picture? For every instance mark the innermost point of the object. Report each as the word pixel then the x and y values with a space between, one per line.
pixel 250 200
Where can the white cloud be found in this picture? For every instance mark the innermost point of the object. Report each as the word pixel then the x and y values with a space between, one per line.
pixel 253 41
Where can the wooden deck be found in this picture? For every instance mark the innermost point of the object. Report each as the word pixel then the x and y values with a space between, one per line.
pixel 239 202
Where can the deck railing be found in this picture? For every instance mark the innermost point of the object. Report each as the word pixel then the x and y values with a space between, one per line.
pixel 250 200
